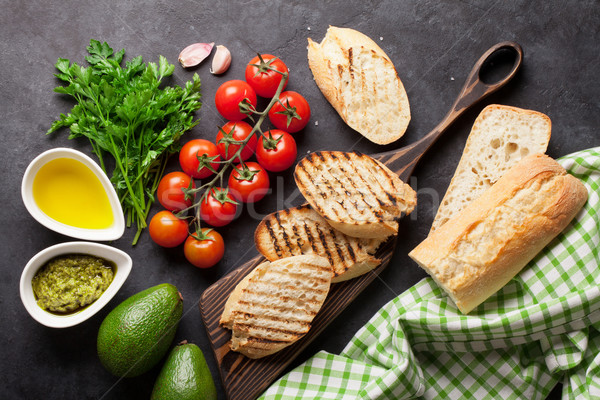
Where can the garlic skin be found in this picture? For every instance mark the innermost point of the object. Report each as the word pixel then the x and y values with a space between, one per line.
pixel 221 60
pixel 194 54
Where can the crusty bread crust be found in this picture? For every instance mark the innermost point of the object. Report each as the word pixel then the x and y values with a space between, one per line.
pixel 360 81
pixel 484 246
pixel 500 137
pixel 234 297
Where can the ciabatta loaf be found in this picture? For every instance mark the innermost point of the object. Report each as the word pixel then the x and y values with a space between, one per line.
pixel 500 137
pixel 355 193
pixel 480 249
pixel 275 304
pixel 302 230
pixel 360 81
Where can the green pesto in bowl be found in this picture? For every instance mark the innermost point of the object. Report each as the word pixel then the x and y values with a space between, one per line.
pixel 68 283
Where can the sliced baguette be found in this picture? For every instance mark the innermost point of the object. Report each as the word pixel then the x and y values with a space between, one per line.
pixel 355 193
pixel 234 297
pixel 302 230
pixel 500 137
pixel 275 304
pixel 480 249
pixel 360 81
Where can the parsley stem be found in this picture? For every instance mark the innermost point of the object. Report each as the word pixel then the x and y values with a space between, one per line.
pixel 136 207
pixel 123 111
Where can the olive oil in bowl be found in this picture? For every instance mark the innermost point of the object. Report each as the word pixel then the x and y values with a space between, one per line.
pixel 69 192
pixel 66 191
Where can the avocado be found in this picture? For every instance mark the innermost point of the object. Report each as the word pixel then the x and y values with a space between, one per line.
pixel 184 376
pixel 137 333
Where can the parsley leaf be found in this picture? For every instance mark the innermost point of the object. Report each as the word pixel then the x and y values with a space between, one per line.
pixel 126 112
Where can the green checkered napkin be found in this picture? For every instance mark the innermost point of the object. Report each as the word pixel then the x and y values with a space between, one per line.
pixel 541 328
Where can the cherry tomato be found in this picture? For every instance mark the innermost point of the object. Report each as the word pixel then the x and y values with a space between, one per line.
pixel 249 183
pixel 218 208
pixel 236 131
pixel 170 193
pixel 291 113
pixel 205 250
pixel 264 80
pixel 229 96
pixel 167 230
pixel 277 152
pixel 195 157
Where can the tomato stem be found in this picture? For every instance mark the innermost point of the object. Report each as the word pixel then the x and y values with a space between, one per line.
pixel 226 164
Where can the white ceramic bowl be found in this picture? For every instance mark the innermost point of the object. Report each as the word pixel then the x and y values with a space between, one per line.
pixel 120 258
pixel 113 232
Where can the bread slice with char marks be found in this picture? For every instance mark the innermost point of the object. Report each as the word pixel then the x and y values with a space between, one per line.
pixel 355 193
pixel 302 230
pixel 275 304
pixel 361 83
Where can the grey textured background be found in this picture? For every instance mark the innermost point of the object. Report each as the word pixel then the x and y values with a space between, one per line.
pixel 433 45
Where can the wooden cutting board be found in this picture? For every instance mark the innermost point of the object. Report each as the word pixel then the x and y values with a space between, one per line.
pixel 244 378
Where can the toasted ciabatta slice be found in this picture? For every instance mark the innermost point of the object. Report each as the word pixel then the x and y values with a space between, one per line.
pixel 500 137
pixel 355 193
pixel 302 230
pixel 360 81
pixel 484 246
pixel 276 303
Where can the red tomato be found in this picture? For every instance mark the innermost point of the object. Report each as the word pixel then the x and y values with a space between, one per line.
pixel 167 230
pixel 276 152
pixel 195 157
pixel 229 96
pixel 218 208
pixel 170 191
pixel 236 131
pixel 204 250
pixel 262 75
pixel 291 113
pixel 249 183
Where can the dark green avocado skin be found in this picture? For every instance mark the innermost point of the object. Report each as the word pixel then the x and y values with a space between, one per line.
pixel 185 376
pixel 137 333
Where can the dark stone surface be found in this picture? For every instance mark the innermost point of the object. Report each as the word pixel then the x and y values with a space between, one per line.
pixel 433 45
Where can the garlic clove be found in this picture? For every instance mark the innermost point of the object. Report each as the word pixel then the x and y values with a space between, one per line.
pixel 221 60
pixel 194 54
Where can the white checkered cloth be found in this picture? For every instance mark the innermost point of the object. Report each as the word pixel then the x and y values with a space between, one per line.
pixel 541 328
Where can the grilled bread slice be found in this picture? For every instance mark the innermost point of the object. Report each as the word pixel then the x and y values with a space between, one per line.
pixel 276 304
pixel 355 193
pixel 302 230
pixel 360 81
pixel 500 137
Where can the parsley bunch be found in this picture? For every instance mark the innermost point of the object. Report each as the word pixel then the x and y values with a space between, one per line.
pixel 126 113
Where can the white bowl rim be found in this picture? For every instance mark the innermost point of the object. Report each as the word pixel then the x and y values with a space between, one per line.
pixel 113 232
pixel 119 257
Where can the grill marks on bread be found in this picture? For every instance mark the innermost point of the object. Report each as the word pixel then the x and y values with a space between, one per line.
pixel 302 230
pixel 275 306
pixel 361 83
pixel 354 192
